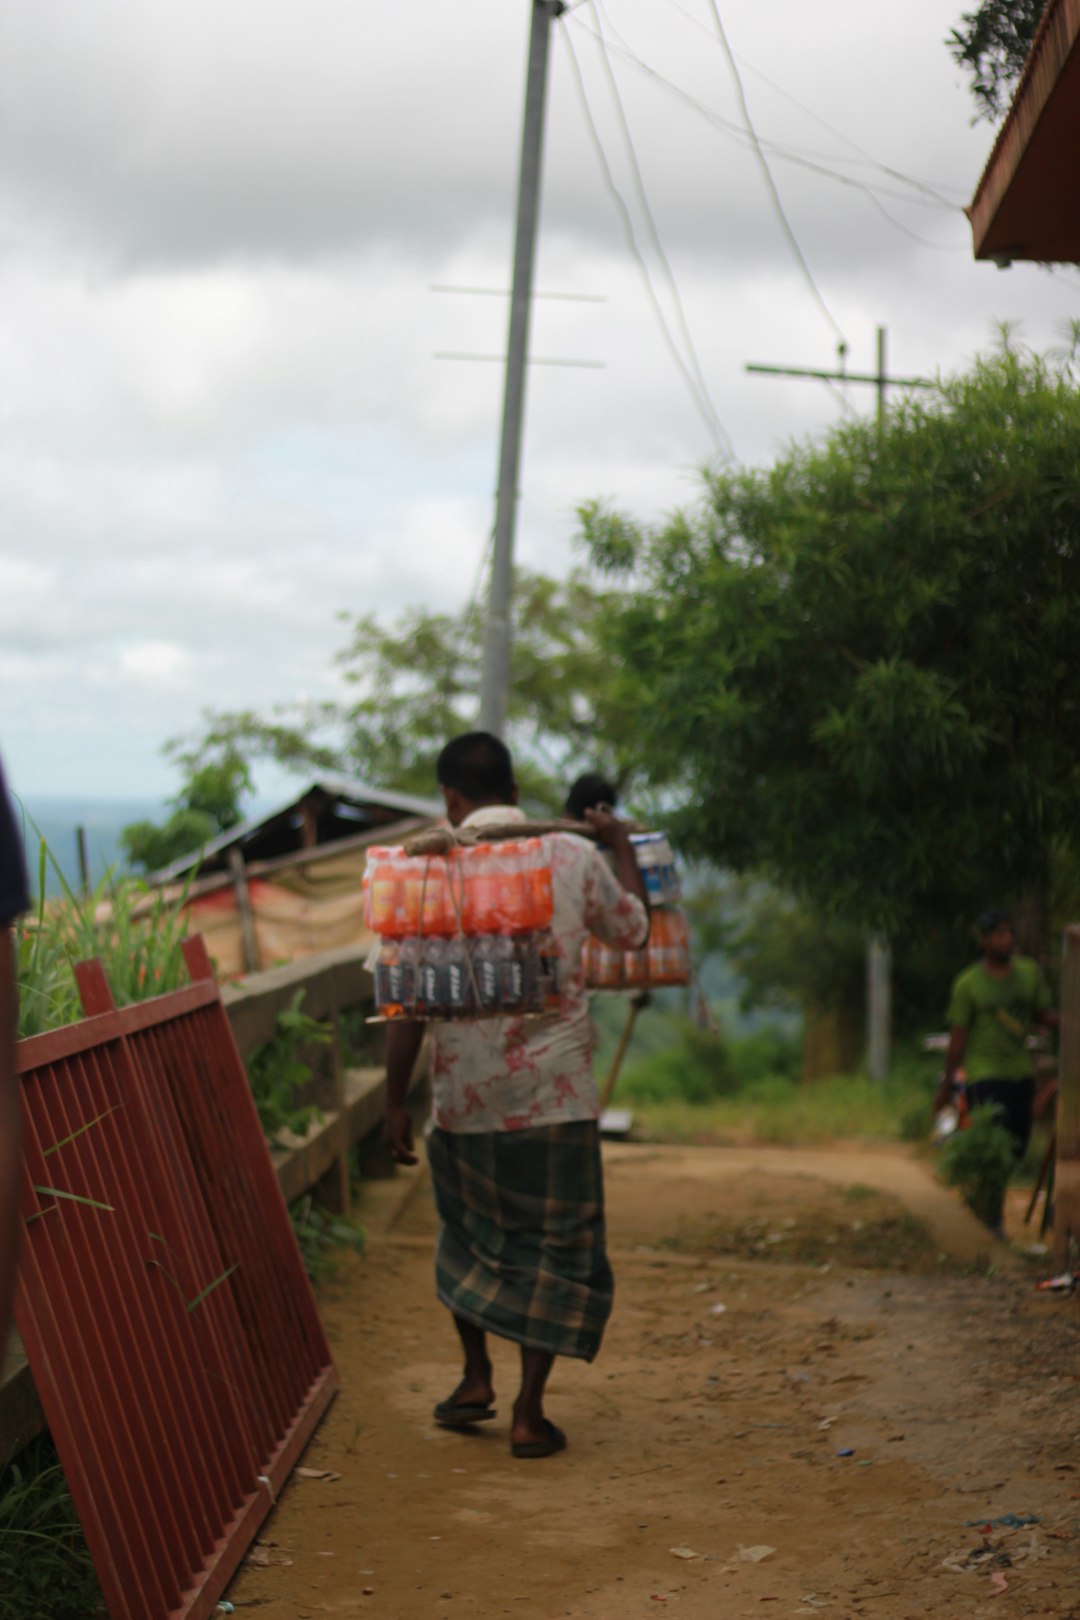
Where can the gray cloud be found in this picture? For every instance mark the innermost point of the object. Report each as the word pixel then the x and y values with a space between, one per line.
pixel 222 418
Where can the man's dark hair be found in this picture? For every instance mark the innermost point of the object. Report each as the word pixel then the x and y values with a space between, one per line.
pixel 589 792
pixel 992 918
pixel 478 766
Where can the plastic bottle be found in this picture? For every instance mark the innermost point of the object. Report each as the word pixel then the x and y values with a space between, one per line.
pixel 435 914
pixel 540 902
pixel 380 882
pixel 388 980
pixel 511 969
pixel 528 951
pixel 486 965
pixel 550 970
pixel 409 960
pixel 457 894
pixel 481 889
pixel 432 991
pixel 460 1000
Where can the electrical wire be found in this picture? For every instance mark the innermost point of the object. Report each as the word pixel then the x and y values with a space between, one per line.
pixel 704 405
pixel 795 155
pixel 650 218
pixel 770 183
pixel 894 174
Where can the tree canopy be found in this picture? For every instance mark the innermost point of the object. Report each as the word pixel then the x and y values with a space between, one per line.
pixel 414 683
pixel 856 670
pixel 992 43
pixel 207 804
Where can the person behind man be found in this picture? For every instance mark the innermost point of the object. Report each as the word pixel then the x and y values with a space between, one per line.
pixel 14 900
pixel 590 791
pixel 515 1144
pixel 992 1008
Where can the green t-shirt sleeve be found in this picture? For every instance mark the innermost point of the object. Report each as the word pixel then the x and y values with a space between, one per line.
pixel 961 1013
pixel 1042 998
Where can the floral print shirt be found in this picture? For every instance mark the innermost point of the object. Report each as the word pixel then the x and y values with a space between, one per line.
pixel 512 1074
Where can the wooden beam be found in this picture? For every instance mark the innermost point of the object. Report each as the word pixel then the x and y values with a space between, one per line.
pixel 250 942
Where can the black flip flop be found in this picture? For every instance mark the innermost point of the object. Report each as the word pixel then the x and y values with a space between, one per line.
pixel 554 1440
pixel 451 1415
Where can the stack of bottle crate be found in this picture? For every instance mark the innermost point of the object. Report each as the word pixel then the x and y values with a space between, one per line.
pixel 665 958
pixel 463 935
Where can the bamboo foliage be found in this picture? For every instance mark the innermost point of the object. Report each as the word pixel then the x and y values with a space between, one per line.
pixel 135 931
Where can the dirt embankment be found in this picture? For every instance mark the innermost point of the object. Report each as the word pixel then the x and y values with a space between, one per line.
pixel 801 1359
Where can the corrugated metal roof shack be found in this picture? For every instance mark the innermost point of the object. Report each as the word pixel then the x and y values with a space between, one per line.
pixel 288 885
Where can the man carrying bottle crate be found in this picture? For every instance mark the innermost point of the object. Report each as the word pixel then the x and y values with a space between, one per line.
pixel 515 1145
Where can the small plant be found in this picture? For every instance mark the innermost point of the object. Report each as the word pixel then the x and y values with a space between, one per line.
pixel 319 1234
pixel 979 1162
pixel 136 931
pixel 278 1069
pixel 45 1566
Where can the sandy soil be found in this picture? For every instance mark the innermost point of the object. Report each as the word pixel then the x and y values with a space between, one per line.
pixel 852 1320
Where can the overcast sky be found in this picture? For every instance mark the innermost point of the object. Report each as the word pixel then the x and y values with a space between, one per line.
pixel 223 418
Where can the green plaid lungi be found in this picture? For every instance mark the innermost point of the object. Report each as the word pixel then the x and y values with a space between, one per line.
pixel 521 1249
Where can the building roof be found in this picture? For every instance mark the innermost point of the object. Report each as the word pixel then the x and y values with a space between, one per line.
pixel 327 811
pixel 1027 205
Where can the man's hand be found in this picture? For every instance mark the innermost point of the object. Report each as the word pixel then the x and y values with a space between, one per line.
pixel 608 828
pixel 943 1096
pixel 398 1135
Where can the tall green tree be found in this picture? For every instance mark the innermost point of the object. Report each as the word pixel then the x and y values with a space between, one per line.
pixel 992 43
pixel 856 670
pixel 208 804
pixel 414 683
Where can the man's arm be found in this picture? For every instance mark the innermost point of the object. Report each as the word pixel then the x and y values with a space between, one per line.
pixel 10 1137
pixel 954 1057
pixel 614 834
pixel 403 1043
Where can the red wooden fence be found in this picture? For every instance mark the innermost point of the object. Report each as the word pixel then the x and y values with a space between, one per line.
pixel 169 1324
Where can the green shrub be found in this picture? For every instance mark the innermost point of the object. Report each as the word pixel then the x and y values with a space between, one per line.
pixel 695 1067
pixel 137 933
pixel 278 1069
pixel 321 1236
pixel 978 1162
pixel 768 1051
pixel 45 1567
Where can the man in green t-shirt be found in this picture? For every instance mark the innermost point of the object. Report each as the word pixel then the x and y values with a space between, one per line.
pixel 992 1009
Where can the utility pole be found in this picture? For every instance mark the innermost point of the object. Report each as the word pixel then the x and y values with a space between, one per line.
pixel 879 950
pixel 495 679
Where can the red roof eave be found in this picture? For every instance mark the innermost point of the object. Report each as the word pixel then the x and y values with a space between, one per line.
pixel 1027 205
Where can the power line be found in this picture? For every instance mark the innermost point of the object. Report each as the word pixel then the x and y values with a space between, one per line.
pixel 895 174
pixel 650 219
pixel 797 156
pixel 770 183
pixel 704 406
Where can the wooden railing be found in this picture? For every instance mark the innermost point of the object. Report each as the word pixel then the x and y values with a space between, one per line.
pixel 350 1102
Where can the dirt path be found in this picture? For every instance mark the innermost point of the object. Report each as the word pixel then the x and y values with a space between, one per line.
pixel 703 1435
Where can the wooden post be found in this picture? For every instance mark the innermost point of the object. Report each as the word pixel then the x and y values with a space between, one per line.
pixel 83 851
pixel 334 1191
pixel 244 911
pixel 620 1053
pixel 1067 1176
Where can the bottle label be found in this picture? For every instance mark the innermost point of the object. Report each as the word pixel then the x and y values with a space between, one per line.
pixel 487 976
pixel 512 984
